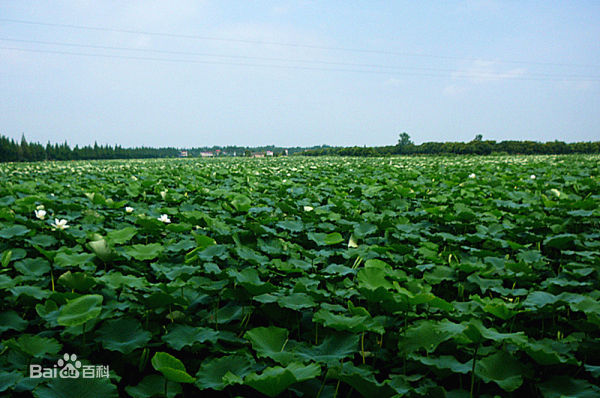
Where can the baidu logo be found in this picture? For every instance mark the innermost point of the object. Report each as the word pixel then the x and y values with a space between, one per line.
pixel 68 367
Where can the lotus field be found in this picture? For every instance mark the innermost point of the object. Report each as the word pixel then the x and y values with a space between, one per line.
pixel 308 277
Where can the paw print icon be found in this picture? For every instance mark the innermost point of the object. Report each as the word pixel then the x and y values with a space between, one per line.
pixel 69 366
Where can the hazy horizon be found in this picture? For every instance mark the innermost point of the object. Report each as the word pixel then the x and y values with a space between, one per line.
pixel 298 73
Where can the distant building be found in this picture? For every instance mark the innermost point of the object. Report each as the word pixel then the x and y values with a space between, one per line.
pixel 206 154
pixel 258 155
pixel 286 152
pixel 269 153
pixel 183 154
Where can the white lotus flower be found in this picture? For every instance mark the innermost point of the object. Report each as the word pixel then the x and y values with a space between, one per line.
pixel 532 176
pixel 60 224
pixel 308 208
pixel 472 175
pixel 40 207
pixel 164 218
pixel 41 213
pixel 129 209
pixel 163 194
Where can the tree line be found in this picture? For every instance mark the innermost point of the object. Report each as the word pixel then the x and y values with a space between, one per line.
pixel 23 151
pixel 477 146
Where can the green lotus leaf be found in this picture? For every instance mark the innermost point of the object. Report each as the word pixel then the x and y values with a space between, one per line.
pixel 171 367
pixel 144 252
pixel 80 310
pixel 123 335
pixel 13 231
pixel 77 280
pixel 10 320
pixel 181 336
pixel 33 266
pixel 36 346
pixel 77 387
pixel 565 386
pixel 65 259
pixel 153 386
pixel 361 379
pixel 10 379
pixel 274 380
pixel 240 202
pixel 332 349
pixel 270 342
pixel 323 239
pixel 292 226
pixel 363 229
pixel 501 368
pixel 212 372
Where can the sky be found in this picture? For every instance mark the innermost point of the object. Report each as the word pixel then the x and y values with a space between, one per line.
pixel 298 73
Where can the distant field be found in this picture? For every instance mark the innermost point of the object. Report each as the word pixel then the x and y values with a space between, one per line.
pixel 330 277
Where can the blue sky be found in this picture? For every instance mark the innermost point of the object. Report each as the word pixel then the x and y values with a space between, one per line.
pixel 299 72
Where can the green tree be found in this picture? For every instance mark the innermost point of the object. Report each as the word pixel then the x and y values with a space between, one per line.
pixel 404 140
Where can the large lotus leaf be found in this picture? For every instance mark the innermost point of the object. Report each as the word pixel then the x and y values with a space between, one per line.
pixel 77 280
pixel 80 310
pixel 212 372
pixel 9 379
pixel 240 202
pixel 323 239
pixel 477 333
pixel 501 368
pixel 203 241
pixel 153 386
pixel 270 342
pixel 296 301
pixel 65 259
pixel 33 266
pixel 428 335
pixel 565 386
pixel 36 346
pixel 184 335
pixel 354 323
pixel 121 236
pixel 13 231
pixel 48 311
pixel 144 252
pixel 361 379
pixel 363 229
pixel 10 320
pixel 593 370
pixel 445 362
pixel 245 253
pixel 77 387
pixel 123 335
pixel 332 349
pixel 372 278
pixel 171 367
pixel 250 280
pixel 30 291
pixel 560 241
pixel 274 380
pixel 116 280
pixel 292 226
pixel 548 352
